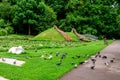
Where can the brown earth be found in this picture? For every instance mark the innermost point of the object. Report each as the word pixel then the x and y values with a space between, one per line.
pixel 101 71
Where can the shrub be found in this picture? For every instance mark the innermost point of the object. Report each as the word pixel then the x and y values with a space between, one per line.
pixel 5 28
pixel 3 32
pixel 9 30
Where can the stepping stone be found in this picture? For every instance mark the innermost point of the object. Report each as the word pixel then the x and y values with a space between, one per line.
pixel 12 61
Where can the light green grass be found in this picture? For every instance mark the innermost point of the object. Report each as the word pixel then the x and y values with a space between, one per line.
pixel 72 36
pixel 15 36
pixel 50 34
pixel 37 68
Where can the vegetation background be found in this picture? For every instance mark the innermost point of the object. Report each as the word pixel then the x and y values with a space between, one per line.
pixel 96 17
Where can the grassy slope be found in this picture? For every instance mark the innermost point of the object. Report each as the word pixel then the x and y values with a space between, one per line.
pixel 73 36
pixel 39 69
pixel 50 34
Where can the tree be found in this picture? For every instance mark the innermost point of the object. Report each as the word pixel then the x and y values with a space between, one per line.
pixel 47 17
pixel 75 16
pixel 58 6
pixel 97 17
pixel 5 28
pixel 32 15
pixel 91 16
pixel 13 2
pixel 5 10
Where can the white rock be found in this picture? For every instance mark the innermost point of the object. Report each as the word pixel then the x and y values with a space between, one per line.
pixel 16 50
pixel 2 78
pixel 12 61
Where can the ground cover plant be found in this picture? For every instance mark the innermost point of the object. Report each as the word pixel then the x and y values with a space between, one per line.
pixel 39 65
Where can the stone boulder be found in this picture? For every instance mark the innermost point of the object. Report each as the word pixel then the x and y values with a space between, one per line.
pixel 16 50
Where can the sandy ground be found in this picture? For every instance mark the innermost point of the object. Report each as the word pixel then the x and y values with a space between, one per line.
pixel 111 71
pixel 12 61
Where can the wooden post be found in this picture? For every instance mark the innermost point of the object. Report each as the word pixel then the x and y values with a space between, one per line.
pixel 105 41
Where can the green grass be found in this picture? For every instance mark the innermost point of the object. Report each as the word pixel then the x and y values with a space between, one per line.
pixel 37 68
pixel 72 36
pixel 15 36
pixel 50 34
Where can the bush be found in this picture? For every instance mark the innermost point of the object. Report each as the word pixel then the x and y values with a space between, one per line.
pixel 5 28
pixel 9 29
pixel 3 32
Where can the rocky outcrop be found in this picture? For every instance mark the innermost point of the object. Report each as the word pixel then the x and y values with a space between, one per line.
pixel 16 50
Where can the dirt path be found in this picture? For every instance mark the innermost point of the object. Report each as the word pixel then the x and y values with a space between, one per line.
pixel 111 71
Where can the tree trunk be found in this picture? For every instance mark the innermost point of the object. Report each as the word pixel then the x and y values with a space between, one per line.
pixel 29 29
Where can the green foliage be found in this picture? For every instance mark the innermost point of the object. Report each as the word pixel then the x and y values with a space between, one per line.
pixel 58 6
pixel 97 17
pixel 47 16
pixel 9 29
pixel 25 14
pixel 3 32
pixel 118 19
pixel 89 30
pixel 2 23
pixel 13 2
pixel 5 10
pixel 5 28
pixel 36 17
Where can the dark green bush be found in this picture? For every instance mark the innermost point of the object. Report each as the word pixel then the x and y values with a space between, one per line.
pixel 3 32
